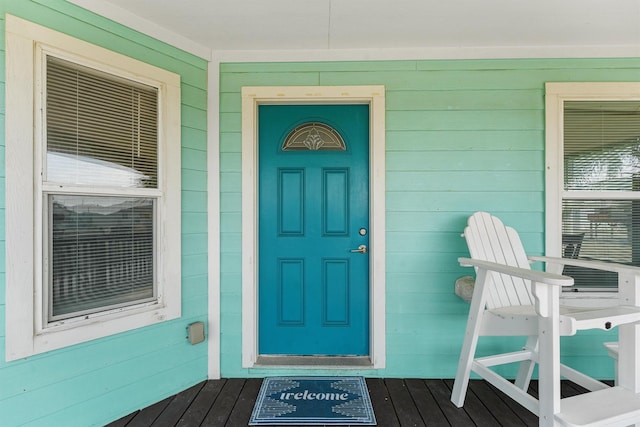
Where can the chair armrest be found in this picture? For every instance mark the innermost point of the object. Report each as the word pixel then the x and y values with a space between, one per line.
pixel 597 265
pixel 523 273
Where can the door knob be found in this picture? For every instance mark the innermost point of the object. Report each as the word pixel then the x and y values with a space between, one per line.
pixel 361 249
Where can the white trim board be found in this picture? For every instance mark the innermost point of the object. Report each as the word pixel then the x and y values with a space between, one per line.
pixel 251 98
pixel 426 53
pixel 144 26
pixel 213 221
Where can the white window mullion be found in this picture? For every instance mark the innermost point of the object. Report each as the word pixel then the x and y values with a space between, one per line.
pixel 600 195
pixel 86 190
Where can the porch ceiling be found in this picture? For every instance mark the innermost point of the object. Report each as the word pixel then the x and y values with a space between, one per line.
pixel 231 25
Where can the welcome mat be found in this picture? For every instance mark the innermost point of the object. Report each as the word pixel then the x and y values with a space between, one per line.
pixel 313 401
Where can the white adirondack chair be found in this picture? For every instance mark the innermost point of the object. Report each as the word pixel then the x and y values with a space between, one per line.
pixel 511 299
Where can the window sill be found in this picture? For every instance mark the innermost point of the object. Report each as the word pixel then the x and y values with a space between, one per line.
pixel 55 338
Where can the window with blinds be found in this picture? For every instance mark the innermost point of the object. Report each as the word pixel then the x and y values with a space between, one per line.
pixel 100 190
pixel 601 197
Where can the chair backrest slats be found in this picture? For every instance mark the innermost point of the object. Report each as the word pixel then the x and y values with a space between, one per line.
pixel 490 240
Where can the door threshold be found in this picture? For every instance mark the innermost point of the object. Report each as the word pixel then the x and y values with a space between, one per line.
pixel 342 362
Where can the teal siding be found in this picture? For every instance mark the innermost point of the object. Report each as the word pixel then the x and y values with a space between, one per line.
pixel 462 135
pixel 102 380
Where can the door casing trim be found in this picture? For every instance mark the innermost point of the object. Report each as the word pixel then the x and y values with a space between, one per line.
pixel 374 96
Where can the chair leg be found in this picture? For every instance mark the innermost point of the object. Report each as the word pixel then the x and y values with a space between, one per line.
pixel 525 372
pixel 470 340
pixel 548 354
pixel 461 382
pixel 612 350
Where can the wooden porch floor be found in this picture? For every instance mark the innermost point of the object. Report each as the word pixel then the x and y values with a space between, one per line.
pixel 396 403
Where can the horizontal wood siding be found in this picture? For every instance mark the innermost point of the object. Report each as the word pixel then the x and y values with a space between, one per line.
pixel 102 380
pixel 462 136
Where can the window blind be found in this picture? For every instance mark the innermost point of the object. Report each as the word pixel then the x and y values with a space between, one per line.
pixel 601 158
pixel 101 135
pixel 100 125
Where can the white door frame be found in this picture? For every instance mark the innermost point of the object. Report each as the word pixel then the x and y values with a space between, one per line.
pixel 374 96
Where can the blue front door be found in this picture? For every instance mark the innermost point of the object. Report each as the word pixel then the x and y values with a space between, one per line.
pixel 313 229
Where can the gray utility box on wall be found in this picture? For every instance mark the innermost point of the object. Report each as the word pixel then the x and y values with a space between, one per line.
pixel 195 333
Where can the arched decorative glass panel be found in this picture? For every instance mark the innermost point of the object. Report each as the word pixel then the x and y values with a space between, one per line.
pixel 314 136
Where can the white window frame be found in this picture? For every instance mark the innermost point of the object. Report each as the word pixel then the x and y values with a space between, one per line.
pixel 27 331
pixel 556 95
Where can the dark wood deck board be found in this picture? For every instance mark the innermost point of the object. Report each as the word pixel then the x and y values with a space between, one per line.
pixel 148 415
pixel 178 406
pixel 442 395
pixel 525 415
pixel 241 412
pixel 222 407
pixel 202 404
pixel 405 407
pixel 498 408
pixel 396 403
pixel 124 421
pixel 473 406
pixel 382 406
pixel 426 404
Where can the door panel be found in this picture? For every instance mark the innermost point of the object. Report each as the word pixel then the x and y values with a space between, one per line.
pixel 313 290
pixel 291 197
pixel 335 205
pixel 335 285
